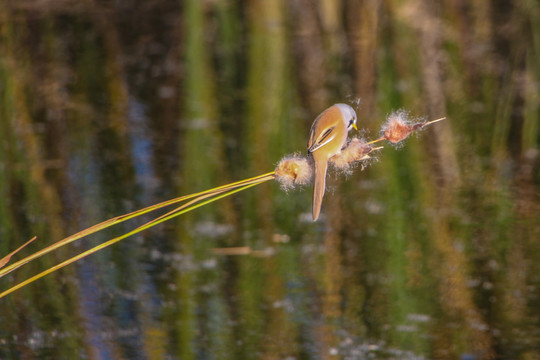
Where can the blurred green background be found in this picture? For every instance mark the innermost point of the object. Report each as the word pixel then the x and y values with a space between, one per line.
pixel 431 252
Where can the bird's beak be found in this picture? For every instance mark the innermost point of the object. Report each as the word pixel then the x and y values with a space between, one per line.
pixel 355 127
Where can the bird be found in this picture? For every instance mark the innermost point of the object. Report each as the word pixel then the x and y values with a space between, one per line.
pixel 328 135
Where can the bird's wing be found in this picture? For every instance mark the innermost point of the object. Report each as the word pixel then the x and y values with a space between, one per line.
pixel 324 138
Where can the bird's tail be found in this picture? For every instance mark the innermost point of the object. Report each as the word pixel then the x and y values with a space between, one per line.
pixel 319 187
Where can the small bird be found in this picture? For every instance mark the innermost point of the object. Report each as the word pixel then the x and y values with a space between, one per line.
pixel 327 137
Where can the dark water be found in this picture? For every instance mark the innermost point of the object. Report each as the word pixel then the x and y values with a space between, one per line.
pixel 431 252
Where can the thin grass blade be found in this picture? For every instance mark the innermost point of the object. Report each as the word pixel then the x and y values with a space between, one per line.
pixel 7 258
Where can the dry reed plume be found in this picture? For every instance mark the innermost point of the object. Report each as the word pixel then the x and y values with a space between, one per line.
pixel 297 170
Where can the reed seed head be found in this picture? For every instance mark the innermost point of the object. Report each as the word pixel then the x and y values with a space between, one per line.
pixel 293 170
pixel 356 150
pixel 398 127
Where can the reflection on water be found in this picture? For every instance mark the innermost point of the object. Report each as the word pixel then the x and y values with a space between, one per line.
pixel 430 252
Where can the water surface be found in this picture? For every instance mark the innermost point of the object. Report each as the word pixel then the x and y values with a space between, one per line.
pixel 430 252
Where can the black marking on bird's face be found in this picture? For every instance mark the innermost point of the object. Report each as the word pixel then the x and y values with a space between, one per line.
pixel 352 122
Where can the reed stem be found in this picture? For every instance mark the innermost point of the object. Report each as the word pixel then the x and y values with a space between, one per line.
pixel 196 200
pixel 119 219
pixel 192 205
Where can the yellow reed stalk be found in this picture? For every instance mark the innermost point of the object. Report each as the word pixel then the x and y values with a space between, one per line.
pixel 119 219
pixel 292 171
pixel 192 205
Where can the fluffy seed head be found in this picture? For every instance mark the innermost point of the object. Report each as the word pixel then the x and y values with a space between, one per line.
pixel 356 150
pixel 398 127
pixel 293 170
